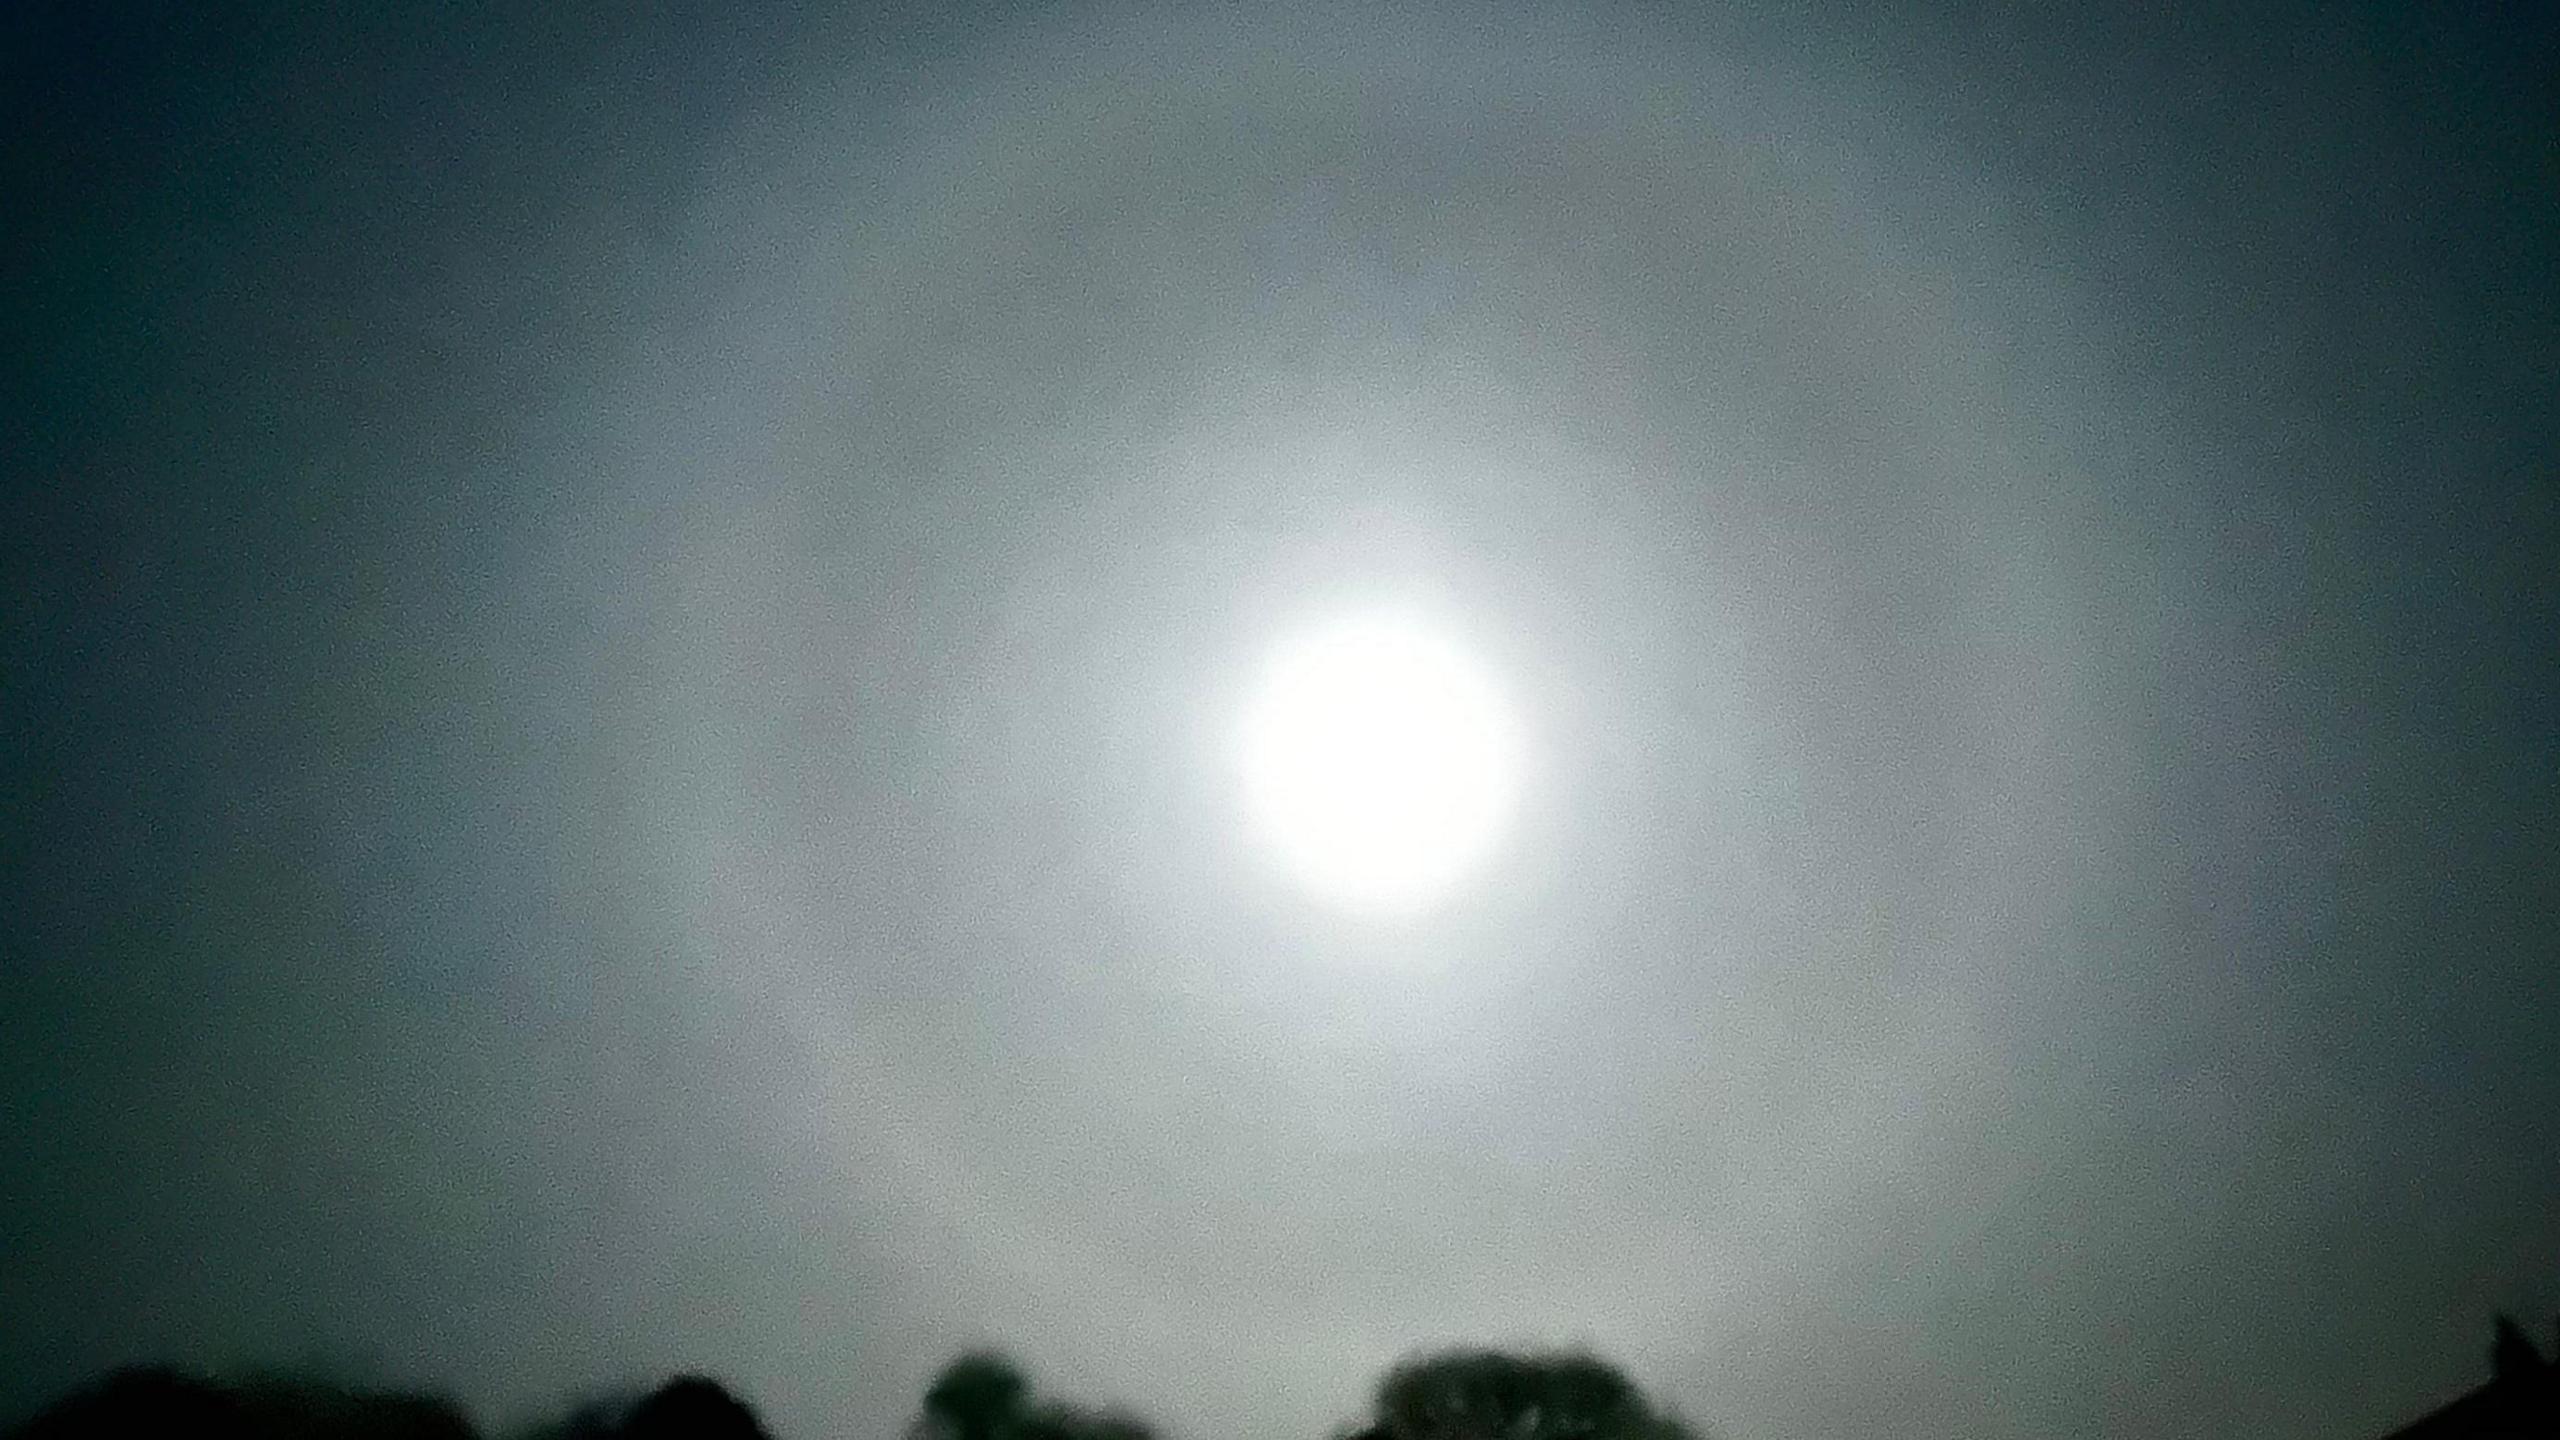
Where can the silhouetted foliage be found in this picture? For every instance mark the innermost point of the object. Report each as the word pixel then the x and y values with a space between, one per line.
pixel 157 1402
pixel 162 1402
pixel 979 1396
pixel 985 1396
pixel 684 1407
pixel 1491 1395
pixel 1075 1422
pixel 141 1401
pixel 691 1407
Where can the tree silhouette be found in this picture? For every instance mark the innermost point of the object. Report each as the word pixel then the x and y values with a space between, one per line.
pixel 691 1407
pixel 984 1395
pixel 979 1396
pixel 1492 1395
pixel 1074 1422
pixel 158 1401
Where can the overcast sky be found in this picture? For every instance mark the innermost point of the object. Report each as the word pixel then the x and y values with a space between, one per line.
pixel 621 640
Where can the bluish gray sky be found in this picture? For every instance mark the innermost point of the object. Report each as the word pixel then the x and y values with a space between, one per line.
pixel 621 639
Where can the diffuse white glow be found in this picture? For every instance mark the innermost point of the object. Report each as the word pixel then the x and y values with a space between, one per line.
pixel 1379 761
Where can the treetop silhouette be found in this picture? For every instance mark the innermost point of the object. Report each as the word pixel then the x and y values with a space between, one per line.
pixel 1475 1394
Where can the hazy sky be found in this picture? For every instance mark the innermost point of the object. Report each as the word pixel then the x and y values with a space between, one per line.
pixel 621 640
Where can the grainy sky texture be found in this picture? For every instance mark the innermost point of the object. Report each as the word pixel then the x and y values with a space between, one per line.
pixel 621 632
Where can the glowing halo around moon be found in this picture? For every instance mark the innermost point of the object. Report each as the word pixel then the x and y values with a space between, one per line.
pixel 1380 762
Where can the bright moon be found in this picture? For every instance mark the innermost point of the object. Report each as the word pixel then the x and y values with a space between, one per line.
pixel 1379 761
